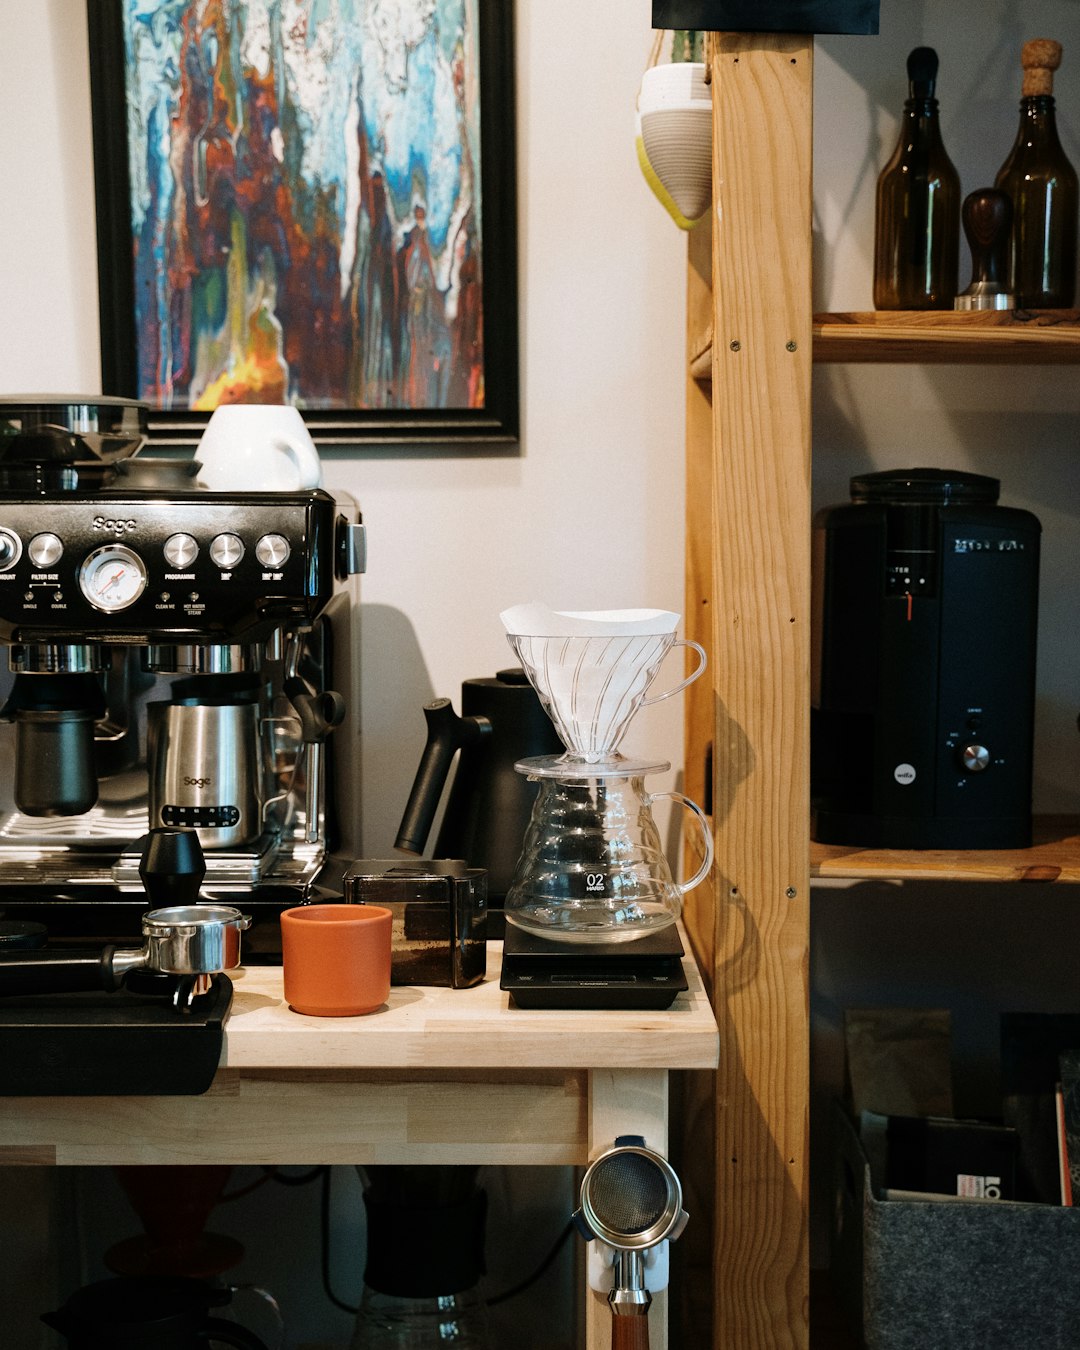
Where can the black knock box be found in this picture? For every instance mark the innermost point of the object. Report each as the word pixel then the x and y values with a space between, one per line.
pixel 439 906
pixel 768 16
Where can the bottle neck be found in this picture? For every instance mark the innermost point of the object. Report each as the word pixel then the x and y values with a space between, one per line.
pixel 1038 121
pixel 920 120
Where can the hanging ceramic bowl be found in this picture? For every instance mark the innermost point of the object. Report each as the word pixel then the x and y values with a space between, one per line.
pixel 674 139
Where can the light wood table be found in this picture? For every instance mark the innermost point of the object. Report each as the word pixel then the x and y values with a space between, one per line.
pixel 436 1076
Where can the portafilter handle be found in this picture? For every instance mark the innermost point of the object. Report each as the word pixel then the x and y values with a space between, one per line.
pixel 66 972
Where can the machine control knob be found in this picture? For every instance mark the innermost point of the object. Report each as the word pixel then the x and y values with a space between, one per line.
pixel 180 551
pixel 975 758
pixel 10 549
pixel 273 550
pixel 44 550
pixel 227 550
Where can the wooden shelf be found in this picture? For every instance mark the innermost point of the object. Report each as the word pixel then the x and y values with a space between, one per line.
pixel 1005 337
pixel 1055 856
pixel 1012 337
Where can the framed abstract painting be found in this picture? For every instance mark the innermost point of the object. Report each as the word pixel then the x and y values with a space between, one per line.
pixel 309 202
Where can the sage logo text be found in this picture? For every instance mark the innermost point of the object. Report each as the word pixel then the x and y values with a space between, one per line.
pixel 117 526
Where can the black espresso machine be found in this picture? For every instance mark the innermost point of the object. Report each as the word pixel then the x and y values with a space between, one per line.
pixel 178 658
pixel 925 599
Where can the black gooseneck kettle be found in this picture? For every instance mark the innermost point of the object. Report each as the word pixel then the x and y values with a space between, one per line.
pixel 502 720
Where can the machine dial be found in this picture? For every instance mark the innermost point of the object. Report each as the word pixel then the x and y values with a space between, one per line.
pixel 112 577
pixel 272 550
pixel 44 550
pixel 227 550
pixel 975 758
pixel 180 551
pixel 10 549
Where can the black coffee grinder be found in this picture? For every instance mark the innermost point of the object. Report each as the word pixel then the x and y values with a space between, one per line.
pixel 924 622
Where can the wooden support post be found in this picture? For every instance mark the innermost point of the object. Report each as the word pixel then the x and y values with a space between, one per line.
pixel 761 367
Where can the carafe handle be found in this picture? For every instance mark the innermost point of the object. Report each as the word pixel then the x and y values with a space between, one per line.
pixel 675 689
pixel 706 837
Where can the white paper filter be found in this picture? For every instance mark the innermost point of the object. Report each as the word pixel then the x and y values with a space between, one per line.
pixel 590 669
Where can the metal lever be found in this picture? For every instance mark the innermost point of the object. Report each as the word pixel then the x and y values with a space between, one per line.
pixel 319 714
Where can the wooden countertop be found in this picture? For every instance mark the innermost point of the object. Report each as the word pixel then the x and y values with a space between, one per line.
pixel 464 1028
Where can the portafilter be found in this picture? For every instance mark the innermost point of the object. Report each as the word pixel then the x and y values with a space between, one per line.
pixel 192 940
pixel 631 1199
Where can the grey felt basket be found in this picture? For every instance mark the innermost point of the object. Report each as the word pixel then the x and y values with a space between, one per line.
pixel 950 1275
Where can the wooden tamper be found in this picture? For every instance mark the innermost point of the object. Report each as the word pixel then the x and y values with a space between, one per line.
pixel 987 217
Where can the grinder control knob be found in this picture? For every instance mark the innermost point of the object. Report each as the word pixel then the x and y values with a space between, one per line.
pixel 10 549
pixel 45 550
pixel 975 758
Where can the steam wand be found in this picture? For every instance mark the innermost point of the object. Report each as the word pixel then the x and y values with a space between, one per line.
pixel 319 714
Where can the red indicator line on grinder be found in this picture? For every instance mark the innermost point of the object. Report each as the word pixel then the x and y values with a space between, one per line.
pixel 909 604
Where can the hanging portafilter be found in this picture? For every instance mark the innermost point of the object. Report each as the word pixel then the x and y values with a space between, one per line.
pixel 631 1200
pixel 55 703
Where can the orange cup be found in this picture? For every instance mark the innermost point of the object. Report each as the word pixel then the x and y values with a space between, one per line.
pixel 336 959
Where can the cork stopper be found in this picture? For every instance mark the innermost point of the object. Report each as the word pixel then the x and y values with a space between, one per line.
pixel 1040 58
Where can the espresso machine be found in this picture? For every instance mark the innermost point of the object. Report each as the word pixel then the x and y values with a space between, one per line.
pixel 177 657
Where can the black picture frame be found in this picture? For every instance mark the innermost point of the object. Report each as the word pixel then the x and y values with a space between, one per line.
pixel 769 16
pixel 496 424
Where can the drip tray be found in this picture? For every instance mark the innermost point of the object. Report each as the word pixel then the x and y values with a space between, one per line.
pixel 644 974
pixel 120 1044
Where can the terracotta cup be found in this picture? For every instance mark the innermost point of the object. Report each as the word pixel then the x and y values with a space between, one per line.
pixel 336 959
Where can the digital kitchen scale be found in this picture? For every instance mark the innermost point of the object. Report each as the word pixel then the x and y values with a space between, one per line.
pixel 645 974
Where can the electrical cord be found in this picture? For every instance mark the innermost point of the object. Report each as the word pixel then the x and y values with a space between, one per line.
pixel 302 1180
pixel 270 1174
pixel 541 1269
pixel 324 1226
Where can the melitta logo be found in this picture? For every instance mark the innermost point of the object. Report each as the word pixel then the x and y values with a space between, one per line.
pixel 198 782
pixel 117 526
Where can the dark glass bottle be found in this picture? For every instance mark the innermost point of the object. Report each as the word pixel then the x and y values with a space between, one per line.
pixel 917 225
pixel 1042 183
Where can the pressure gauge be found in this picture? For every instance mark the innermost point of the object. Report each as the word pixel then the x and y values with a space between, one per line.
pixel 112 577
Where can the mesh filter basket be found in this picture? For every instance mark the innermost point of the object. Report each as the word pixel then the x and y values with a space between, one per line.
pixel 631 1198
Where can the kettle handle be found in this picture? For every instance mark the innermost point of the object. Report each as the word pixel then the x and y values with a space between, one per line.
pixel 706 837
pixel 447 733
pixel 217 1330
pixel 703 661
